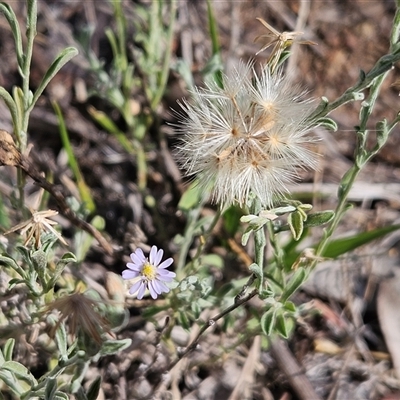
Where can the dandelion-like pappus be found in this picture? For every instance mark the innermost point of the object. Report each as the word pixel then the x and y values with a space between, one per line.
pixel 251 136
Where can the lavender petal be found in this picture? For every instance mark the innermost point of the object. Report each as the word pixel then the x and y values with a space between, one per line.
pixel 152 290
pixel 134 288
pixel 128 274
pixel 141 291
pixel 134 267
pixel 166 263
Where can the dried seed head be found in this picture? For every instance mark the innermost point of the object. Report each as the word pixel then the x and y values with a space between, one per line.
pixel 36 225
pixel 79 311
pixel 251 136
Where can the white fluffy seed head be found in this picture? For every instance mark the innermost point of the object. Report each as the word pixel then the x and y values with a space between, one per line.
pixel 250 137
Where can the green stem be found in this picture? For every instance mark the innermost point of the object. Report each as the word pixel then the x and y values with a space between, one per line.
pixel 121 34
pixel 27 95
pixel 279 254
pixel 362 156
pixel 21 194
pixel 192 218
pixel 189 233
pixel 394 35
pixel 349 177
pixel 384 64
pixel 141 166
pixel 57 370
pixel 375 78
pixel 259 243
pixel 167 58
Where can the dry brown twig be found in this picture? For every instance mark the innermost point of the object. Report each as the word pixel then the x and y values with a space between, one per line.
pixel 195 341
pixel 293 371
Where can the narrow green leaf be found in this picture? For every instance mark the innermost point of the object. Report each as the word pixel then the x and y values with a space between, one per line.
pixel 362 76
pixel 283 57
pixel 165 68
pixel 18 96
pixel 322 106
pixel 94 389
pixel 67 258
pixel 16 368
pixel 268 321
pixel 5 221
pixel 51 388
pixel 183 69
pixel 112 39
pixel 344 182
pixel 319 218
pixel 60 266
pixel 61 396
pixel 212 70
pixel 66 55
pixel 20 371
pixel 212 24
pixel 249 218
pixel 231 220
pixel 278 211
pixel 84 190
pixel 10 103
pixel 284 324
pixel 296 224
pixel 10 262
pixel 39 260
pixel 246 235
pixel 341 246
pixel 290 306
pixel 78 392
pixel 11 381
pixel 302 213
pixel 83 240
pixel 108 124
pixel 25 253
pixel 192 198
pixel 31 15
pixel 61 340
pixel 183 320
pixel 13 282
pixel 327 123
pixel 8 349
pixel 15 29
pixel 196 309
pixel 110 347
pixel 382 133
pixel 280 324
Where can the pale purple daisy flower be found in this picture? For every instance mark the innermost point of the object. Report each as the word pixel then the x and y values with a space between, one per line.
pixel 150 273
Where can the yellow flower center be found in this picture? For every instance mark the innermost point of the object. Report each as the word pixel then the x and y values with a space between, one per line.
pixel 149 271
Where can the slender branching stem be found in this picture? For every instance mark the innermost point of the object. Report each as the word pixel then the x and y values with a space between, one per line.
pixel 211 322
